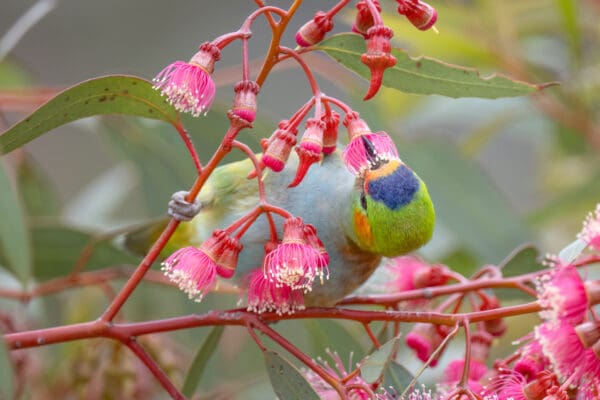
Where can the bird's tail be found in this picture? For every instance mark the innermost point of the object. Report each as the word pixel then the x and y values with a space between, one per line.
pixel 140 238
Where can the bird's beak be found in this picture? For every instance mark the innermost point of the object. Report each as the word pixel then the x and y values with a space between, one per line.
pixel 374 160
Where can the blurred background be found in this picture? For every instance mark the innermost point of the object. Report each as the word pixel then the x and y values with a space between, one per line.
pixel 501 172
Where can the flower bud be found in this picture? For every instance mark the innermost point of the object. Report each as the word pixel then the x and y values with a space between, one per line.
pixel 314 30
pixel 420 14
pixel 278 147
pixel 244 100
pixel 364 18
pixel 378 57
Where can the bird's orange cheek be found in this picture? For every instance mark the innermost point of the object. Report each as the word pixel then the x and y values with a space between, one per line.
pixel 363 228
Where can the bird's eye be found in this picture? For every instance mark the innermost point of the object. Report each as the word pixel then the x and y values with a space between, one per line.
pixel 363 201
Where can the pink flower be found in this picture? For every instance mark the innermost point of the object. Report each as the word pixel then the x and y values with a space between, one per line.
pixel 365 148
pixel 565 350
pixel 195 270
pixel 512 385
pixel 410 272
pixel 192 270
pixel 265 295
pixel 591 229
pixel 424 339
pixel 293 262
pixel 532 360
pixel 563 294
pixel 420 14
pixel 189 86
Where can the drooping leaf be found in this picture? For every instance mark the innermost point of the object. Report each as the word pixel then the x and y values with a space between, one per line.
pixel 374 365
pixel 159 157
pixel 205 352
pixel 6 372
pixel 522 260
pixel 572 251
pixel 39 197
pixel 424 75
pixel 398 377
pixel 288 383
pixel 117 94
pixel 14 237
pixel 57 248
pixel 332 334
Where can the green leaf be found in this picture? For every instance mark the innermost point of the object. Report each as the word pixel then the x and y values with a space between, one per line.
pixel 424 75
pixel 38 195
pixel 325 334
pixel 398 377
pixel 569 12
pixel 374 365
pixel 117 94
pixel 287 381
pixel 57 248
pixel 522 260
pixel 14 237
pixel 572 251
pixel 205 352
pixel 6 372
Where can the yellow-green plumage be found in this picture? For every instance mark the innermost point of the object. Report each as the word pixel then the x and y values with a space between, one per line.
pixel 329 197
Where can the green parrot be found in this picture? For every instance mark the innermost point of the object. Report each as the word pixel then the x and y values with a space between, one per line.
pixel 385 211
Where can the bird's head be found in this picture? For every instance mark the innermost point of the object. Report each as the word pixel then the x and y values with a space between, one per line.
pixel 391 211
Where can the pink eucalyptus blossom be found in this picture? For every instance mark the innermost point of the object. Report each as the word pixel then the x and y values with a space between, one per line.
pixel 189 86
pixel 591 229
pixel 265 295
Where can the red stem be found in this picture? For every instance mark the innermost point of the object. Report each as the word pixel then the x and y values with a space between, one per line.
pixel 102 328
pixel 224 148
pixel 155 369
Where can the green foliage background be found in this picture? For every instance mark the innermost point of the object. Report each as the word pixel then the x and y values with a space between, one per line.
pixel 501 173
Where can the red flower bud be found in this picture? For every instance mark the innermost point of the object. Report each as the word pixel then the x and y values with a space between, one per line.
pixel 309 149
pixel 314 30
pixel 279 147
pixel 244 100
pixel 378 57
pixel 420 14
pixel 330 133
pixel 364 18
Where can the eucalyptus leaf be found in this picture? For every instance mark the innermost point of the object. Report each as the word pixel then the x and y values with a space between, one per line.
pixel 287 381
pixel 14 236
pixel 205 352
pixel 398 377
pixel 522 260
pixel 116 94
pixel 374 365
pixel 572 251
pixel 424 75
pixel 58 247
pixel 39 196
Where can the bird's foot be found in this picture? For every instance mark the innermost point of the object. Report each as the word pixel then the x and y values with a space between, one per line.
pixel 181 209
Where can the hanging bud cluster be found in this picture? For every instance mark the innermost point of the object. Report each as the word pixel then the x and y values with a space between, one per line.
pixel 195 269
pixel 318 139
pixel 420 14
pixel 314 30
